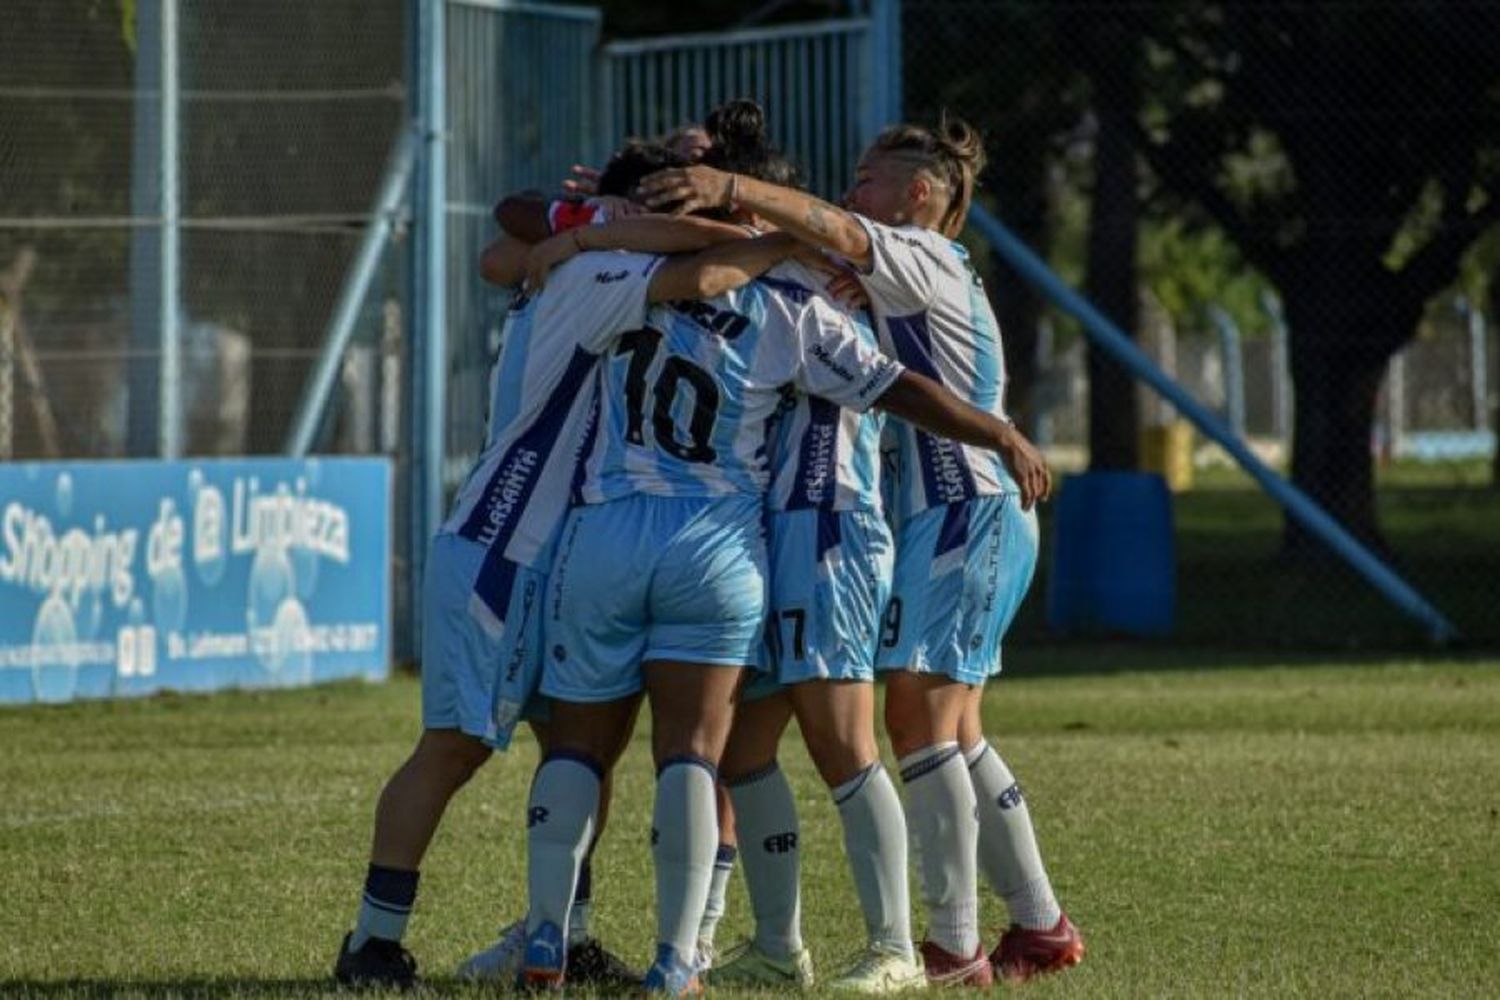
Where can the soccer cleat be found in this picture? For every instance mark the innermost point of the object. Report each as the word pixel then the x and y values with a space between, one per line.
pixel 671 975
pixel 747 966
pixel 591 964
pixel 944 968
pixel 501 961
pixel 880 970
pixel 1024 952
pixel 704 956
pixel 378 964
pixel 544 960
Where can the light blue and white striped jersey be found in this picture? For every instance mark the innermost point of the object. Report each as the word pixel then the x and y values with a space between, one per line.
pixel 824 456
pixel 543 409
pixel 932 314
pixel 686 400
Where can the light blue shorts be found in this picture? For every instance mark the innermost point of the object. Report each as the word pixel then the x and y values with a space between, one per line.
pixel 653 578
pixel 463 660
pixel 962 570
pixel 830 580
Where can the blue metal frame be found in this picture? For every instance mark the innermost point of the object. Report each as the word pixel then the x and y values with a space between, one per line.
pixel 1302 508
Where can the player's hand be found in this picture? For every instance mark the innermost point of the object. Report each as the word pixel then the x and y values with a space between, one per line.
pixel 583 180
pixel 687 189
pixel 614 207
pixel 546 255
pixel 1027 466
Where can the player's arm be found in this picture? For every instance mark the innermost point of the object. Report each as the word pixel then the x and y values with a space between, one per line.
pixel 806 217
pixel 921 401
pixel 640 233
pixel 503 262
pixel 719 269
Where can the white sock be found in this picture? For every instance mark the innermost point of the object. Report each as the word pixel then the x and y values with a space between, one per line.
pixel 684 837
pixel 713 910
pixel 560 819
pixel 875 841
pixel 940 814
pixel 1008 853
pixel 765 818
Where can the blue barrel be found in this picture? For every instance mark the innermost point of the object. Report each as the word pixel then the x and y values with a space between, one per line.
pixel 1113 560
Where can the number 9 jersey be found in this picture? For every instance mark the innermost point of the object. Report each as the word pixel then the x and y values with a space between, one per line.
pixel 687 399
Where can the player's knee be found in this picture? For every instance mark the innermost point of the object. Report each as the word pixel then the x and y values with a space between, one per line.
pixel 450 756
pixel 909 726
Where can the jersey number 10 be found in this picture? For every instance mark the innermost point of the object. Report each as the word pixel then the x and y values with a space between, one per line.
pixel 642 346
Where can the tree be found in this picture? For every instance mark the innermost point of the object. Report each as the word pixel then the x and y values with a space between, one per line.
pixel 1352 152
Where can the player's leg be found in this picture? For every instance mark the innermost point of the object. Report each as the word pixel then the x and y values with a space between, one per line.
pixel 596 607
pixel 768 834
pixel 457 674
pixel 562 816
pixel 837 722
pixel 705 951
pixel 1040 938
pixel 925 651
pixel 707 608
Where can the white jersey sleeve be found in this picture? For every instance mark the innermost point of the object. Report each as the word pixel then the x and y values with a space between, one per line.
pixel 603 294
pixel 908 264
pixel 835 363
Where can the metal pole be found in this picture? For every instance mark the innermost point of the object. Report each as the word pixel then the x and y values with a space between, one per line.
pixel 1479 366
pixel 383 220
pixel 1299 505
pixel 429 352
pixel 1234 367
pixel 1281 372
pixel 170 373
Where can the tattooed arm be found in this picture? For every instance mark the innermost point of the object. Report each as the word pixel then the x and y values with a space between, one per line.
pixel 810 219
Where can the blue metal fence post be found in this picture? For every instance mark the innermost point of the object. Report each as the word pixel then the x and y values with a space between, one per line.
pixel 428 314
pixel 154 424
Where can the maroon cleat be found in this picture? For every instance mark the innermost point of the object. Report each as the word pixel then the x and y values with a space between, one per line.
pixel 947 969
pixel 1023 953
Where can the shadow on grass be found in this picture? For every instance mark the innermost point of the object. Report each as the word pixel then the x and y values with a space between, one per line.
pixel 1076 657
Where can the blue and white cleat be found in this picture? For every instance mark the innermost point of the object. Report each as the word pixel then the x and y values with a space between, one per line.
pixel 545 960
pixel 672 975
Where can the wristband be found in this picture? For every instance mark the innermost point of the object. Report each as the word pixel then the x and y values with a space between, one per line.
pixel 733 201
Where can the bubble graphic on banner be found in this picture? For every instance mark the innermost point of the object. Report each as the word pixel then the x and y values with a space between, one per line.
pixel 290 659
pixel 64 494
pixel 271 582
pixel 91 616
pixel 169 599
pixel 305 566
pixel 54 652
pixel 210 546
pixel 135 614
pixel 195 483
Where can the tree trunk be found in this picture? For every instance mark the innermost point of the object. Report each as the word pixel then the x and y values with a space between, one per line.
pixel 1335 381
pixel 1112 240
pixel 1019 179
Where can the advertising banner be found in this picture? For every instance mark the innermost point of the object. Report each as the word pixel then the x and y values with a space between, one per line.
pixel 125 578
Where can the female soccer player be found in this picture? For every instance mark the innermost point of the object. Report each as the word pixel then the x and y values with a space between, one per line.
pixel 966 535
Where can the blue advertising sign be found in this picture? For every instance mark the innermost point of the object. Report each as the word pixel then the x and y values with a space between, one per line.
pixel 124 578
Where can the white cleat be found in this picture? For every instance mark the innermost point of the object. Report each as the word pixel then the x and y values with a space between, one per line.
pixel 501 961
pixel 880 970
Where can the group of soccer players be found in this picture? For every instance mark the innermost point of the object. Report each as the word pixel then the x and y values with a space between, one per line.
pixel 690 491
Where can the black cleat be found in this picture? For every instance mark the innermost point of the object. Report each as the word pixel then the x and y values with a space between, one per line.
pixel 379 964
pixel 591 964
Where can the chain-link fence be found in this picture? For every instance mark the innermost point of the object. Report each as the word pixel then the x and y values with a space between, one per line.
pixel 1292 208
pixel 285 117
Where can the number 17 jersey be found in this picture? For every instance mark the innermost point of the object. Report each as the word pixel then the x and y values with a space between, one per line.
pixel 686 400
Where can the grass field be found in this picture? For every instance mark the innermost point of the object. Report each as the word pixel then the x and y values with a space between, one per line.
pixel 1255 829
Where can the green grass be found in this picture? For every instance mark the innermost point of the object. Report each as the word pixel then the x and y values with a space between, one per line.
pixel 1255 829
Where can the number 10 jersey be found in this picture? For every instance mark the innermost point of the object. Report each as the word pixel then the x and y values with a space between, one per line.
pixel 687 399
